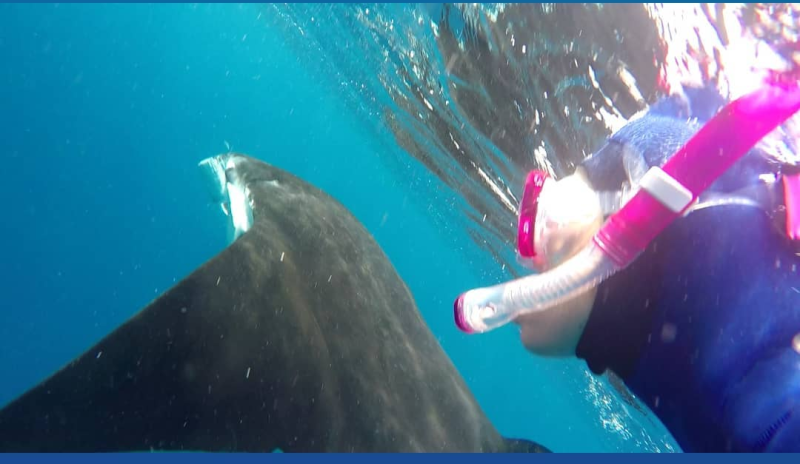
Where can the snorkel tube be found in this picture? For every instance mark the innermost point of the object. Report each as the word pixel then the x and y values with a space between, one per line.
pixel 664 194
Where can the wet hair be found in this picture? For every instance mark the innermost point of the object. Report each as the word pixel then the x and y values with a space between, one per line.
pixel 664 128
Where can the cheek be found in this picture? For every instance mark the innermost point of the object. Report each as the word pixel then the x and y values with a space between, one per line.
pixel 556 332
pixel 547 334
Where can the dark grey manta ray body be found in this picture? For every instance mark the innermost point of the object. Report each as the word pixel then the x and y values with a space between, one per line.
pixel 300 336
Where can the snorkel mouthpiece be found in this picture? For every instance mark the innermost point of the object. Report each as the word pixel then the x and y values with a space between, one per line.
pixel 664 195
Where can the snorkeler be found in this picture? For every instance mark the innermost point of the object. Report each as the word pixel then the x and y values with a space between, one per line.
pixel 670 257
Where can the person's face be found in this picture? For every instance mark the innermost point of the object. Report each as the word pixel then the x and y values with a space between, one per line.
pixel 555 332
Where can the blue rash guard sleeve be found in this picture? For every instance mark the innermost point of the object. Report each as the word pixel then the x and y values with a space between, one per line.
pixel 705 328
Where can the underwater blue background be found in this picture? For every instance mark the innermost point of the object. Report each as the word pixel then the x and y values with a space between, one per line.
pixel 106 111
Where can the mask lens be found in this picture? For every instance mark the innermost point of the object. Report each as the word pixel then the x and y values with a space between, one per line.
pixel 556 219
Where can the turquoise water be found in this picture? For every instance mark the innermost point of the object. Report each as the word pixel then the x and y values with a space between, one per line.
pixel 108 108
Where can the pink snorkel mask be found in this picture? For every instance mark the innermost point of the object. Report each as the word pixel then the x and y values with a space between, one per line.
pixel 662 195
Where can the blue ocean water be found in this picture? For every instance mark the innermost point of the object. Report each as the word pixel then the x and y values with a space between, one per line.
pixel 106 110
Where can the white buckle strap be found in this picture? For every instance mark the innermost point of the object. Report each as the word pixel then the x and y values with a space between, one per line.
pixel 668 191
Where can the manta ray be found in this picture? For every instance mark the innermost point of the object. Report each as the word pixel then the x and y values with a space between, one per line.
pixel 300 336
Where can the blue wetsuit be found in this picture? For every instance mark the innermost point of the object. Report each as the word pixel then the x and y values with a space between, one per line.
pixel 705 325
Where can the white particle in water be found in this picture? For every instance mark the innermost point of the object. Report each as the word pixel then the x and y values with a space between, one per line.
pixel 668 333
pixel 283 253
pixel 100 353
pixel 247 376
